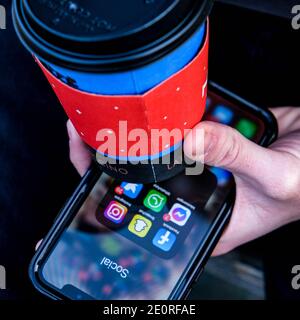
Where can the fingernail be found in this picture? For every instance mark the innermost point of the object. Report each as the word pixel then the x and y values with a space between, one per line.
pixel 70 129
pixel 199 150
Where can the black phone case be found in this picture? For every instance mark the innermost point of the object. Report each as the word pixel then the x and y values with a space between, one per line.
pixel 186 282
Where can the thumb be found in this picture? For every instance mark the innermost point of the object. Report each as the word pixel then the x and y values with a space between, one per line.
pixel 225 147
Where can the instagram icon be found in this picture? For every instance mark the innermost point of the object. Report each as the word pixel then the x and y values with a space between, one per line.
pixel 115 212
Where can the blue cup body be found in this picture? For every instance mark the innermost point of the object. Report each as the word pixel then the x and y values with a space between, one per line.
pixel 137 81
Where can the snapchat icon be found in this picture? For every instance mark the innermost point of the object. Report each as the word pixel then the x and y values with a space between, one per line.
pixel 140 226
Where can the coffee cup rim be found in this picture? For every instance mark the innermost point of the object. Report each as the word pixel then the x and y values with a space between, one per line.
pixel 107 62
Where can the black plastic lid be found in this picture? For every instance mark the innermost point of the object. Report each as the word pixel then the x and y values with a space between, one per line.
pixel 106 35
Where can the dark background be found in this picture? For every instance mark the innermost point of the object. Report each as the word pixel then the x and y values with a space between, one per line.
pixel 254 54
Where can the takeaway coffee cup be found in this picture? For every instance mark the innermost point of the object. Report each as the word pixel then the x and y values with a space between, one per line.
pixel 128 74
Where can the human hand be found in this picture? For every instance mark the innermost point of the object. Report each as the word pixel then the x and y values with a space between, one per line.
pixel 267 179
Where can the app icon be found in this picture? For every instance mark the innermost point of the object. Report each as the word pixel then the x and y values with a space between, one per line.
pixel 164 239
pixel 155 201
pixel 247 128
pixel 140 226
pixel 115 212
pixel 178 214
pixel 131 190
pixel 223 114
pixel 222 175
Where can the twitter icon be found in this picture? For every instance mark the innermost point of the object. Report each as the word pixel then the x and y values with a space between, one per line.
pixel 131 190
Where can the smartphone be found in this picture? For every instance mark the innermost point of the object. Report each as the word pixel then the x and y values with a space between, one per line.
pixel 121 241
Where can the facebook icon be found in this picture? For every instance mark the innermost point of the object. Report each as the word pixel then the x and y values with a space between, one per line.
pixel 164 239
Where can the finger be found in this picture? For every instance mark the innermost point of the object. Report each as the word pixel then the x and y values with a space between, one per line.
pixel 288 119
pixel 253 216
pixel 225 147
pixel 238 233
pixel 80 155
pixel 279 112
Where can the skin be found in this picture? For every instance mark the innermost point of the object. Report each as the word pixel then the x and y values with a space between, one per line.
pixel 267 179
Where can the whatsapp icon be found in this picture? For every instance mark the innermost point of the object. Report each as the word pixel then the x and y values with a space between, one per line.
pixel 155 201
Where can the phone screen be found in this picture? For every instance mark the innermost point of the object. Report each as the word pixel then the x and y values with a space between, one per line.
pixel 132 241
